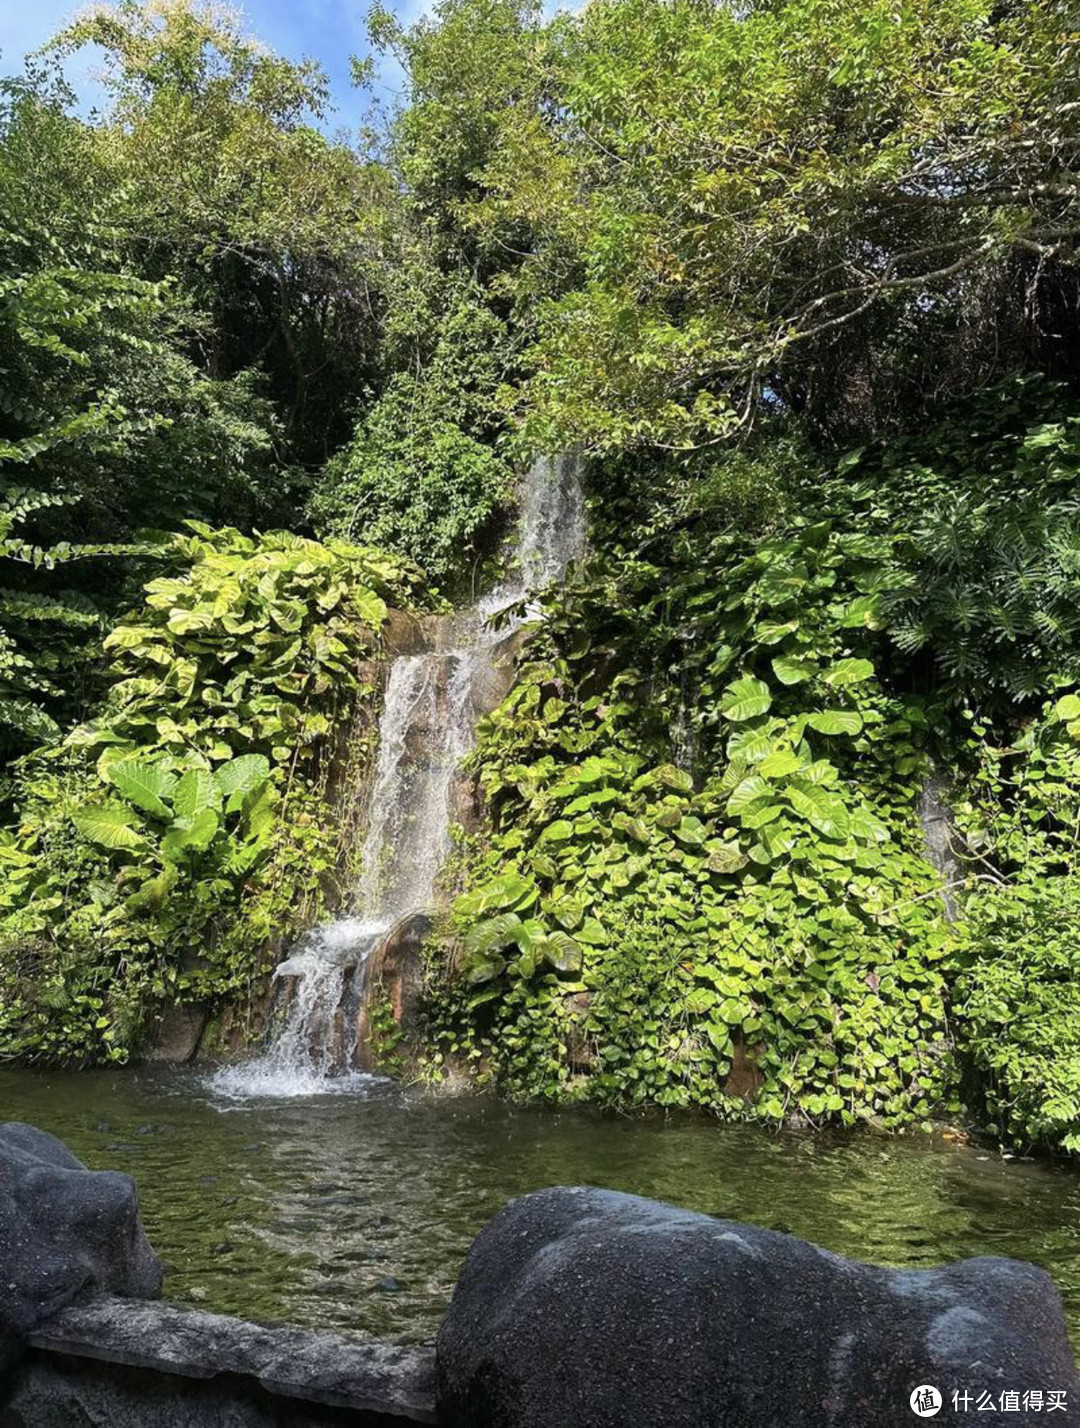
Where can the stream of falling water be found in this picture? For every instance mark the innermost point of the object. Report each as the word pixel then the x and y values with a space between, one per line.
pixel 432 704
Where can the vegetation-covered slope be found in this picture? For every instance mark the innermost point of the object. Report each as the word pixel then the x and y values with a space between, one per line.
pixel 799 280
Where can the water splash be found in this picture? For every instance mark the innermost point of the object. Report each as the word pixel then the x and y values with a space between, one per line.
pixel 432 704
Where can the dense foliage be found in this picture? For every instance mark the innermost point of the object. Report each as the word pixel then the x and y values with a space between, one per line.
pixel 799 280
pixel 165 847
pixel 769 926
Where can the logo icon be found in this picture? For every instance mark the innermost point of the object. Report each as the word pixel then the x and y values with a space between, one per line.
pixel 925 1401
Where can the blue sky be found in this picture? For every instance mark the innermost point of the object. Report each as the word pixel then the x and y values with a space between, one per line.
pixel 327 30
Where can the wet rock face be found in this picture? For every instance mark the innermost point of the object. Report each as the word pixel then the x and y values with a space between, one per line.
pixel 395 971
pixel 588 1307
pixel 66 1233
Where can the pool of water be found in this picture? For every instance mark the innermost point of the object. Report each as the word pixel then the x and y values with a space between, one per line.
pixel 355 1211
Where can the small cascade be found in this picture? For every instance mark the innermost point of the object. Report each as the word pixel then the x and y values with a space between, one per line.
pixel 432 704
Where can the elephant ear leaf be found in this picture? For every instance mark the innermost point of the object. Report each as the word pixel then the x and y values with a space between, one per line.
pixel 109 824
pixel 148 786
pixel 745 699
pixel 492 934
pixel 189 835
pixel 560 951
pixel 239 777
pixel 195 791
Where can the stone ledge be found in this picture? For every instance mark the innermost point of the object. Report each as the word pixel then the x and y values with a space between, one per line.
pixel 363 1375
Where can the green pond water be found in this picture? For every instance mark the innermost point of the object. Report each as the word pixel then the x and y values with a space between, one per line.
pixel 355 1211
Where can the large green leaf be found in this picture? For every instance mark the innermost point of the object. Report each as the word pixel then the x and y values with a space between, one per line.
pixel 560 951
pixel 745 699
pixel 147 785
pixel 752 790
pixel 370 608
pixel 848 671
pixel 825 811
pixel 196 790
pixel 835 721
pixel 493 933
pixel 110 825
pixel 790 670
pixel 779 764
pixel 239 777
pixel 510 893
pixel 190 835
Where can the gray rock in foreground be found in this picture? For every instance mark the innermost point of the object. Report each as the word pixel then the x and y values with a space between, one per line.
pixel 66 1233
pixel 592 1309
pixel 126 1362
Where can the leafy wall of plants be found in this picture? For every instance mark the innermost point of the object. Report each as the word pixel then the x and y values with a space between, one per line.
pixel 763 938
pixel 706 882
pixel 164 847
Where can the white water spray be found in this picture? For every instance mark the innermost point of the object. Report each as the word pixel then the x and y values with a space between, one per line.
pixel 433 701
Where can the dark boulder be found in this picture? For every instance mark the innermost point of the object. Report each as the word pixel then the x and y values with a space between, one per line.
pixel 66 1233
pixel 590 1309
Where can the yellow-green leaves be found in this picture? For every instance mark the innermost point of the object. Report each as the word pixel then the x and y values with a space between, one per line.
pixel 147 785
pixel 826 812
pixel 110 825
pixel 196 791
pixel 848 671
pixel 747 698
pixel 790 670
pixel 835 721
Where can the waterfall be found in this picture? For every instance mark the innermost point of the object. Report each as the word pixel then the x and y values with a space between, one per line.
pixel 432 704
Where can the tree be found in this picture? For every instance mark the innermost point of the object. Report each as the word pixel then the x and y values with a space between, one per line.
pixel 839 206
pixel 271 229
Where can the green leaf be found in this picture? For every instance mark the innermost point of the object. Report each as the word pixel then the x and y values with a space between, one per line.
pixel 485 971
pixel 147 785
pixel 779 764
pixel 770 633
pixel 155 890
pixel 196 790
pixel 825 811
pixel 849 671
pixel 190 835
pixel 560 951
pixel 110 825
pixel 750 791
pixel 675 778
pixel 1067 708
pixel 836 721
pixel 790 670
pixel 636 827
pixel 592 933
pixel 511 892
pixel 691 831
pixel 864 612
pixel 370 608
pixel 745 699
pixel 239 777
pixel 728 859
pixel 493 934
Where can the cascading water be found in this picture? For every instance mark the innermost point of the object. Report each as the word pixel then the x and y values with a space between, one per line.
pixel 433 701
